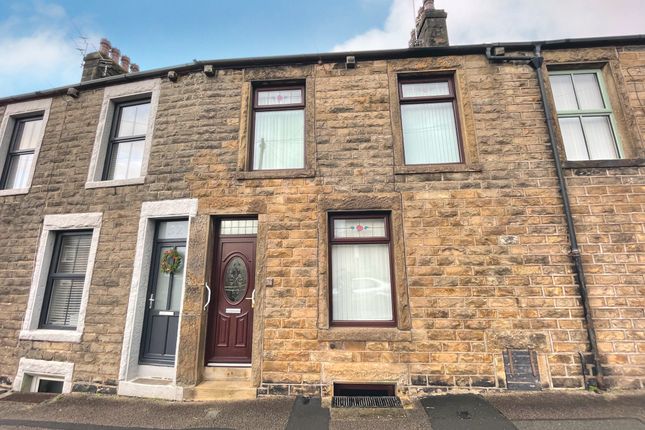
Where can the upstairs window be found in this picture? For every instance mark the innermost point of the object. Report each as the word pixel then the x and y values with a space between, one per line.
pixel 25 138
pixel 126 147
pixel 585 115
pixel 278 128
pixel 429 121
pixel 361 270
pixel 66 279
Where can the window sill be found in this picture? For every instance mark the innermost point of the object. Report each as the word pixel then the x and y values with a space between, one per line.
pixel 275 174
pixel 436 168
pixel 374 334
pixel 52 335
pixel 14 192
pixel 114 183
pixel 594 164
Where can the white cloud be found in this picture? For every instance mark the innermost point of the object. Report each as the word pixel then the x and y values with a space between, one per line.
pixel 476 21
pixel 39 49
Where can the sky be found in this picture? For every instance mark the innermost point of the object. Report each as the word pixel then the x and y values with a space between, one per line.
pixel 42 41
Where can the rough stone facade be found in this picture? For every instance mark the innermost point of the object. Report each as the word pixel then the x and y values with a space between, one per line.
pixel 481 253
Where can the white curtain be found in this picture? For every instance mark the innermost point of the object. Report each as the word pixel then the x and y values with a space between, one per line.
pixel 429 133
pixel 588 91
pixel 20 167
pixel 361 286
pixel 563 93
pixel 127 158
pixel 574 139
pixel 279 140
pixel 600 139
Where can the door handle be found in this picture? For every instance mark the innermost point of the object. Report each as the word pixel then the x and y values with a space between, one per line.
pixel 208 298
pixel 252 299
pixel 151 300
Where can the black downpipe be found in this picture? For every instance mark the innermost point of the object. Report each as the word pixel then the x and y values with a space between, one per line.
pixel 536 61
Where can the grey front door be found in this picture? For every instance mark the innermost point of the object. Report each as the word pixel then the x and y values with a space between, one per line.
pixel 161 321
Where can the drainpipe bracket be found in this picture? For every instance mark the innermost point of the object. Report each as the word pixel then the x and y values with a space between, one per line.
pixel 536 62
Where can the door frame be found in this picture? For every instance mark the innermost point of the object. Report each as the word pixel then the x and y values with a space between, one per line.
pixel 157 245
pixel 214 267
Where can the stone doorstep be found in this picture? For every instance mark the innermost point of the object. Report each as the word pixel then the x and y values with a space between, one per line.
pixel 163 389
pixel 227 373
pixel 221 390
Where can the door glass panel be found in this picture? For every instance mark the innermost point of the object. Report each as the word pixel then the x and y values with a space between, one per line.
pixel 236 280
pixel 163 283
pixel 238 226
pixel 178 282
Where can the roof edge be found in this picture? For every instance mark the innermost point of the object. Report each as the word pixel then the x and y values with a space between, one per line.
pixel 330 57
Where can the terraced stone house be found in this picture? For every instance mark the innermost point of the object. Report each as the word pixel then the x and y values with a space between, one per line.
pixel 396 221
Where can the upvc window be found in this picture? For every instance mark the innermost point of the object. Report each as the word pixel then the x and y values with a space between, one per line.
pixel 429 118
pixel 24 141
pixel 361 270
pixel 125 150
pixel 585 115
pixel 278 134
pixel 66 280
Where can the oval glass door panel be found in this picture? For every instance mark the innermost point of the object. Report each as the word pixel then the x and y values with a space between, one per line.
pixel 236 280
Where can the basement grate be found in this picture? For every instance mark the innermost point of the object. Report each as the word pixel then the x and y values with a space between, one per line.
pixel 366 402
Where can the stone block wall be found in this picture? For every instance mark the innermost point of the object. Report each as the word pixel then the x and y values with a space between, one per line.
pixel 481 250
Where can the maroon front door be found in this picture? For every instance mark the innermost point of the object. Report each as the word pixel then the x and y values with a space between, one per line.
pixel 230 319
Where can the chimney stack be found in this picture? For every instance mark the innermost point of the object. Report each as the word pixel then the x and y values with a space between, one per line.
pixel 107 61
pixel 431 28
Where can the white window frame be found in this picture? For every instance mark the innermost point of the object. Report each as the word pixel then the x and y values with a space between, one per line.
pixel 130 369
pixel 6 130
pixel 43 369
pixel 51 226
pixel 111 97
pixel 581 113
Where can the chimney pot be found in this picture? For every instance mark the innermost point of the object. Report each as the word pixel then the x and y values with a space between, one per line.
pixel 105 47
pixel 134 68
pixel 125 63
pixel 116 55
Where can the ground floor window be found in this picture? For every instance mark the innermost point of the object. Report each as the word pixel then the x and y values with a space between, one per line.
pixel 361 270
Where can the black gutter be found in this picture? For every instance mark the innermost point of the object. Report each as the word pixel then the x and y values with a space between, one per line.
pixel 333 57
pixel 537 61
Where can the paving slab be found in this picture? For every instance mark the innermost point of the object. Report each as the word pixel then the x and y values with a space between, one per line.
pixel 464 412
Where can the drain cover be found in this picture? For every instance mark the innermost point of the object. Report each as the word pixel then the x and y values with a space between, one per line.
pixel 366 402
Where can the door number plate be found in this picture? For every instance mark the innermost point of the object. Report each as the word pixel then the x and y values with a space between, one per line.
pixel 233 310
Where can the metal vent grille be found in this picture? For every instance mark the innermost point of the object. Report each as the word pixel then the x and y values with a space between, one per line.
pixel 521 370
pixel 366 402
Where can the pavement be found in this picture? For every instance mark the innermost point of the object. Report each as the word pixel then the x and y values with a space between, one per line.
pixel 495 411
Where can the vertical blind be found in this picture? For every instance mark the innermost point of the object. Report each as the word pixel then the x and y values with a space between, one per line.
pixel 67 279
pixel 430 133
pixel 361 286
pixel 279 140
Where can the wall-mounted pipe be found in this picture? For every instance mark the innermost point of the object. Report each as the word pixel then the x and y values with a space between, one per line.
pixel 536 61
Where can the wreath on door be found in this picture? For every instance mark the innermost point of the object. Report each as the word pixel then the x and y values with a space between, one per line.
pixel 170 261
